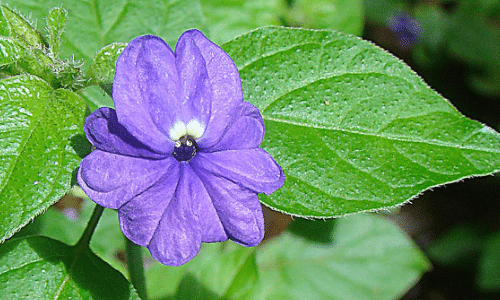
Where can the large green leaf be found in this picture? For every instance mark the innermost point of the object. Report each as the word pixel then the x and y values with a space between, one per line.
pixel 94 24
pixel 353 127
pixel 369 258
pixel 38 127
pixel 43 268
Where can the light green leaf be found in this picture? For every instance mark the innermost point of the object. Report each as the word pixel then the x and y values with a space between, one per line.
pixel 56 22
pixel 96 97
pixel 21 30
pixel 346 16
pixel 370 258
pixel 353 127
pixel 42 268
pixel 94 24
pixel 38 127
pixel 227 19
pixel 219 271
pixel 102 68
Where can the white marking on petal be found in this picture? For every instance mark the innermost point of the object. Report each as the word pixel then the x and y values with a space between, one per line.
pixel 195 129
pixel 179 130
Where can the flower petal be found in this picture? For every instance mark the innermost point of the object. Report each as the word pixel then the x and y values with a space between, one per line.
pixel 177 239
pixel 195 86
pixel 140 217
pixel 245 132
pixel 146 91
pixel 111 179
pixel 211 226
pixel 254 169
pixel 226 87
pixel 238 209
pixel 106 134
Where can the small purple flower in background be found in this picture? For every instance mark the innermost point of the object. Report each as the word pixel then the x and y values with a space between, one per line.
pixel 407 30
pixel 179 157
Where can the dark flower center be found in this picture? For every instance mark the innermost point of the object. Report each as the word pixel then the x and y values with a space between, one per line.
pixel 185 148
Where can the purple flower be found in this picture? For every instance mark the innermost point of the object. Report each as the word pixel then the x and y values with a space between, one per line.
pixel 179 156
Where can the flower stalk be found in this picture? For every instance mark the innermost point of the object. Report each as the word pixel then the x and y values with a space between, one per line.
pixel 91 225
pixel 135 266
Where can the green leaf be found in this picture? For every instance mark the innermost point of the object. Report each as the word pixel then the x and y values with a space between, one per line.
pixel 37 128
pixel 346 16
pixel 316 231
pixel 42 268
pixel 219 271
pixel 227 19
pixel 56 22
pixel 21 30
pixel 94 24
pixel 107 240
pixel 353 127
pixel 96 97
pixel 234 265
pixel 37 62
pixel 459 247
pixel 489 265
pixel 10 51
pixel 370 258
pixel 102 68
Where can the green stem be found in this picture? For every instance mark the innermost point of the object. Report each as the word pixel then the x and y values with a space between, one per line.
pixel 91 225
pixel 135 267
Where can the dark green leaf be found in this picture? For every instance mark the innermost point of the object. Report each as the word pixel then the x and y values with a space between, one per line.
pixel 489 265
pixel 316 231
pixel 459 247
pixel 37 160
pixel 353 127
pixel 43 268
